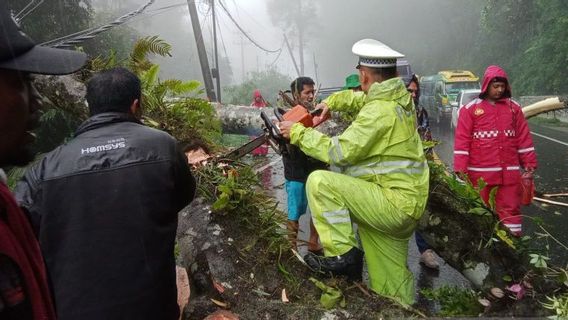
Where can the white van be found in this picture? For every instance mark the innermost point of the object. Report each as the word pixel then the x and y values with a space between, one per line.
pixel 464 97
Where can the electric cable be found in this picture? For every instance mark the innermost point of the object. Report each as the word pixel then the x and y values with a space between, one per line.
pixel 81 36
pixel 17 16
pixel 244 32
pixel 222 39
pixel 277 57
pixel 22 16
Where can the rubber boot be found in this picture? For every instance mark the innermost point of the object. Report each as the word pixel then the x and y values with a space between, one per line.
pixel 349 264
pixel 292 227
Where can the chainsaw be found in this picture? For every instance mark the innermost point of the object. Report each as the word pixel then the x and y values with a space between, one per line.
pixel 272 135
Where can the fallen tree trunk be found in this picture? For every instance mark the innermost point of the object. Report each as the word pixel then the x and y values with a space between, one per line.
pixel 545 105
pixel 241 119
pixel 460 229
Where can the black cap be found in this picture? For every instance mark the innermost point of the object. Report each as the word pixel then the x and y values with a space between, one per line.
pixel 19 52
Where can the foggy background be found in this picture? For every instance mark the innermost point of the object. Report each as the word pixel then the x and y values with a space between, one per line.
pixel 527 38
pixel 424 30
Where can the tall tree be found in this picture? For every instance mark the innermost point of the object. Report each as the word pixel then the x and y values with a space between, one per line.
pixel 529 39
pixel 298 19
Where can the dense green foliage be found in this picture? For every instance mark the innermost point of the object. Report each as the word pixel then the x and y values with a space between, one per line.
pixel 528 39
pixel 269 82
pixel 171 105
pixel 234 191
pixel 455 301
pixel 54 18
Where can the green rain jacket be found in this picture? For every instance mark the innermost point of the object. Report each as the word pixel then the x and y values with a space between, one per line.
pixel 381 146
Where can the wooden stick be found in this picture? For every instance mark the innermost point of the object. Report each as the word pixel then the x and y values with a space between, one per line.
pixel 551 202
pixel 548 195
pixel 365 292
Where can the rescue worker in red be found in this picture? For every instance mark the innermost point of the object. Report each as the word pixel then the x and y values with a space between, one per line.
pixel 493 142
pixel 258 100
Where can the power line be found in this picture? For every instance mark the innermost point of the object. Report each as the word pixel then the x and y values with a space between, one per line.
pixel 183 4
pixel 221 36
pixel 277 57
pixel 21 15
pixel 81 36
pixel 204 12
pixel 244 32
pixel 250 16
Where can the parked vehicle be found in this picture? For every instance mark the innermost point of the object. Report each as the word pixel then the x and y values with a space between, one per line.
pixel 440 91
pixel 464 97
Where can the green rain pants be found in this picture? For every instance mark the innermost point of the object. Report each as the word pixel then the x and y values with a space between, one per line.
pixel 337 200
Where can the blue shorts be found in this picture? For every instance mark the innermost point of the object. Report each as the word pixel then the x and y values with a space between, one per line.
pixel 297 200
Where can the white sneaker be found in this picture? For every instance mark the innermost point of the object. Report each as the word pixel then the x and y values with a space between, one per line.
pixel 428 259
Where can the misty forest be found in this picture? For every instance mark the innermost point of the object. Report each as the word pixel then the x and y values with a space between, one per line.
pixel 199 72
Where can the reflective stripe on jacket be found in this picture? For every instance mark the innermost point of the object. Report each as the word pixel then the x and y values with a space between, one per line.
pixel 380 146
pixel 493 142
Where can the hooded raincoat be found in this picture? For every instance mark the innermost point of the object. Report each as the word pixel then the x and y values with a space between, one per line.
pixel 380 182
pixel 493 143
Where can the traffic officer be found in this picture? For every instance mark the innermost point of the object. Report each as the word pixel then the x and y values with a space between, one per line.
pixel 380 179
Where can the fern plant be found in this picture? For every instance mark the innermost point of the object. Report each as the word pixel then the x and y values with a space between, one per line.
pixel 171 105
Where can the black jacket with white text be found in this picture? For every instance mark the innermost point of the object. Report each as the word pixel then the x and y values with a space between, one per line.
pixel 105 208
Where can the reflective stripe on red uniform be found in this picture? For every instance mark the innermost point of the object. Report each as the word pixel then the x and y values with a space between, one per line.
pixel 494 139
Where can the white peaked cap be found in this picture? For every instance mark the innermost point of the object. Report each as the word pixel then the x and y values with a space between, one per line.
pixel 375 54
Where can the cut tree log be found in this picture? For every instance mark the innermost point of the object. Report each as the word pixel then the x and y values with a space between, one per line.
pixel 546 105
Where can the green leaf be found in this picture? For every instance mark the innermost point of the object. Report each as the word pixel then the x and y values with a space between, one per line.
pixel 479 211
pixel 507 278
pixel 225 189
pixel 150 77
pixel 492 195
pixel 480 184
pixel 221 203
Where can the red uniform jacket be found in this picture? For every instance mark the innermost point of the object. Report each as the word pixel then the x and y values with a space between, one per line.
pixel 493 142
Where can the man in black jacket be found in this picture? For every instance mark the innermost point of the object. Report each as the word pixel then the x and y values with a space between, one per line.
pixel 104 207
pixel 297 167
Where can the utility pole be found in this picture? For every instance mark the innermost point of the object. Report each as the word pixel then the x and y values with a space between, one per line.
pixel 217 72
pixel 205 70
pixel 316 68
pixel 292 55
pixel 300 36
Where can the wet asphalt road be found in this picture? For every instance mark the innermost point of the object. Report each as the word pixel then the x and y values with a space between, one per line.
pixel 551 144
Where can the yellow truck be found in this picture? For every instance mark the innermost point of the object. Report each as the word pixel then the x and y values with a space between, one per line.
pixel 440 91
